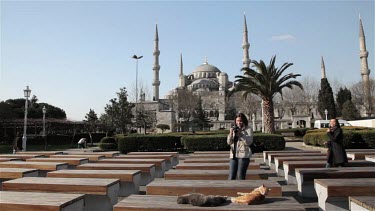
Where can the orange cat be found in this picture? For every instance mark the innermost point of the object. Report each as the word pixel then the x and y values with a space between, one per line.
pixel 255 197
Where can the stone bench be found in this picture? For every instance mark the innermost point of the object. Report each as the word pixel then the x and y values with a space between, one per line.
pixel 43 167
pixel 333 194
pixel 210 160
pixel 20 156
pixel 305 177
pixel 362 203
pixel 14 173
pixel 105 154
pixel 92 158
pixel 129 179
pixel 211 166
pixel 212 152
pixel 214 187
pixel 370 158
pixel 26 201
pixel 100 194
pixel 211 175
pixel 271 156
pixel 167 158
pixel 160 166
pixel 147 170
pixel 359 155
pixel 265 153
pixel 280 160
pixel 10 159
pixel 72 162
pixel 290 166
pixel 175 156
pixel 152 202
pixel 208 156
pixel 45 153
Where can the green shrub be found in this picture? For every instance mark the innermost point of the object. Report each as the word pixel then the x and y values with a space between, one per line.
pixel 353 138
pixel 219 142
pixel 299 132
pixel 108 143
pixel 149 143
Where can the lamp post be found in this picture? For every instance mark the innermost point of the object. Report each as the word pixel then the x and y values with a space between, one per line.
pixel 261 104
pixel 326 113
pixel 253 118
pixel 44 121
pixel 136 84
pixel 26 92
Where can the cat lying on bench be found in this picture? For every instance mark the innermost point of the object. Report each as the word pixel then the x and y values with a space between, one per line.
pixel 201 200
pixel 257 196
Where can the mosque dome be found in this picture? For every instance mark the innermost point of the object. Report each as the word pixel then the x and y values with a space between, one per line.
pixel 207 68
pixel 206 71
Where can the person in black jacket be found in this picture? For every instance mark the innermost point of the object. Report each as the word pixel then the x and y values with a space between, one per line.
pixel 336 153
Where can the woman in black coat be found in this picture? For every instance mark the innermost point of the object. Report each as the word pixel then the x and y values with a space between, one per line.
pixel 336 152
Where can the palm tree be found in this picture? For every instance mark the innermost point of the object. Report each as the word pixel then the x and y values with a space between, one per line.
pixel 265 82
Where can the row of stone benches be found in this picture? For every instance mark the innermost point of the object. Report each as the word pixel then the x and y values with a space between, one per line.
pixel 331 186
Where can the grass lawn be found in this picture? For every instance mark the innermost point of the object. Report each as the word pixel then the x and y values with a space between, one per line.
pixel 6 149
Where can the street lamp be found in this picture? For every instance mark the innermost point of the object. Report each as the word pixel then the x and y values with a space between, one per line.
pixel 136 83
pixel 262 116
pixel 44 121
pixel 26 92
pixel 326 112
pixel 253 118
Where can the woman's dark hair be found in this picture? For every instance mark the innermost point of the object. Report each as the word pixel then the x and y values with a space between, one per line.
pixel 337 123
pixel 243 118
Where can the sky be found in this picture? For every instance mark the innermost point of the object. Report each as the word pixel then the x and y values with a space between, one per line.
pixel 77 54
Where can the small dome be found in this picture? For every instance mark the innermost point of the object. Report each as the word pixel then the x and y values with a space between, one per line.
pixel 204 81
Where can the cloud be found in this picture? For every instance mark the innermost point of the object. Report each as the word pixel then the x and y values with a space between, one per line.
pixel 283 37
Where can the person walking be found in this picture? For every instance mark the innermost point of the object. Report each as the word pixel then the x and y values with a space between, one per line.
pixel 240 138
pixel 336 155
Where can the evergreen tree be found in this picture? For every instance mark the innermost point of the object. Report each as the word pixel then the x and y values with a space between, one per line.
pixel 91 118
pixel 16 109
pixel 342 96
pixel 120 111
pixel 349 111
pixel 326 100
pixel 199 117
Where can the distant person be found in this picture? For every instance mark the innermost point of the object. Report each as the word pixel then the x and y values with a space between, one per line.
pixel 17 143
pixel 336 155
pixel 82 143
pixel 240 138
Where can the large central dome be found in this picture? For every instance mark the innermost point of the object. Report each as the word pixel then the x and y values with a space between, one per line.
pixel 206 68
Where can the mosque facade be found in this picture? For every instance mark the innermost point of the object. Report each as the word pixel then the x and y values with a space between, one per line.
pixel 211 84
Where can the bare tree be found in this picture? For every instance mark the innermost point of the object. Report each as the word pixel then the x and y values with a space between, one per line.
pixel 310 93
pixel 184 102
pixel 359 96
pixel 250 105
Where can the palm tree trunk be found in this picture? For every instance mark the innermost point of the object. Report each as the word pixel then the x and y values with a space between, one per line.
pixel 269 116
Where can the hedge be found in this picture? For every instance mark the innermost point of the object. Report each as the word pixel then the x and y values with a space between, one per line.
pixel 299 132
pixel 353 139
pixel 151 143
pixel 262 142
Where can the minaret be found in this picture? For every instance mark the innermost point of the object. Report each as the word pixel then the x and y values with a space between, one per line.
pixel 365 72
pixel 363 54
pixel 156 67
pixel 181 77
pixel 323 68
pixel 181 66
pixel 245 46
